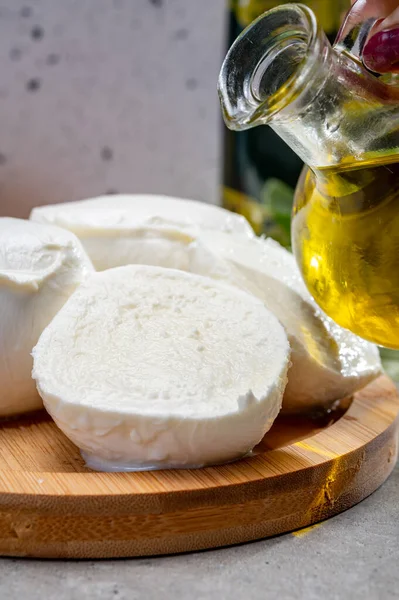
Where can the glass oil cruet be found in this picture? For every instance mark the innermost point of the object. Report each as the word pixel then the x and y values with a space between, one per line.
pixel 343 122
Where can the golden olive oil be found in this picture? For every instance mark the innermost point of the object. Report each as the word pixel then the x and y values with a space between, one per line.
pixel 345 233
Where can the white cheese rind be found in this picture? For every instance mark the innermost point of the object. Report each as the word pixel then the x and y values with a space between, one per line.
pixel 328 362
pixel 127 229
pixel 147 367
pixel 40 267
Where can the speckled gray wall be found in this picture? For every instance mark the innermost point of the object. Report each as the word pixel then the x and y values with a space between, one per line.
pixel 108 95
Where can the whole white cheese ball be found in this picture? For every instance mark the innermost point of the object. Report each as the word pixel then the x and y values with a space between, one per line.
pixel 146 367
pixel 40 267
pixel 118 230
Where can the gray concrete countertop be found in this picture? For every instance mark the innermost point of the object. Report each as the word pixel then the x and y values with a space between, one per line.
pixel 354 555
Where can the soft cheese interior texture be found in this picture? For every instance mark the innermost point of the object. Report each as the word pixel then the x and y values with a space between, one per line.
pixel 145 362
pixel 40 267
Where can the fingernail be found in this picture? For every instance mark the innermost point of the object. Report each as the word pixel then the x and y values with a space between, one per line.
pixel 381 53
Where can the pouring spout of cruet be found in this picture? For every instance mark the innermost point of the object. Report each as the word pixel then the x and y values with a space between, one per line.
pixel 282 71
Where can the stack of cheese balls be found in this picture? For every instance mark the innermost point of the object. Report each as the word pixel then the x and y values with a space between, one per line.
pixel 161 332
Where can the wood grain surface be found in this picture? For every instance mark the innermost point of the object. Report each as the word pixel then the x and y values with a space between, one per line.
pixel 304 471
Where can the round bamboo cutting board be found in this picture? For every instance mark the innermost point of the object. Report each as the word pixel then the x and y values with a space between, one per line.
pixel 302 472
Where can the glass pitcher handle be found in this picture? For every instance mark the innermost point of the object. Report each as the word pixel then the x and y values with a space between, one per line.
pixel 354 33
